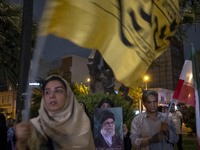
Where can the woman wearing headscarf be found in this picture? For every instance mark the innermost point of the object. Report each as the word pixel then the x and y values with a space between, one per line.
pixel 61 123
pixel 105 103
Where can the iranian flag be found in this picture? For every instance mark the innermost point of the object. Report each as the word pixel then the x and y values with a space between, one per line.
pixel 186 90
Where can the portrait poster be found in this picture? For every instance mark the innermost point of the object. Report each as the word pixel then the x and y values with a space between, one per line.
pixel 108 129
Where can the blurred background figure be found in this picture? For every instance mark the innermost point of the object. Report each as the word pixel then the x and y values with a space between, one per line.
pixel 9 122
pixel 105 103
pixel 3 132
pixel 177 116
pixel 11 136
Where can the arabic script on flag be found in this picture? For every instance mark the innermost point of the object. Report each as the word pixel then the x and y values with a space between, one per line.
pixel 128 34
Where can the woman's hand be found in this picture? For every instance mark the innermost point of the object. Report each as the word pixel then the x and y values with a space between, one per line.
pixel 22 132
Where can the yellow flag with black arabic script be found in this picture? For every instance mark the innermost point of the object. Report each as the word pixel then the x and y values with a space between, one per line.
pixel 128 34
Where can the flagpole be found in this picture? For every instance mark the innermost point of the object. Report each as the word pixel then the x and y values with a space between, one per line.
pixel 25 56
pixel 33 75
pixel 168 111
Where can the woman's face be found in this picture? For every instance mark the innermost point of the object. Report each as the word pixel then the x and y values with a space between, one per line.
pixel 105 105
pixel 54 96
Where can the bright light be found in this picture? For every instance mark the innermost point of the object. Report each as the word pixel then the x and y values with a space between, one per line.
pixel 176 108
pixel 88 80
pixel 146 78
pixel 190 77
pixel 137 112
pixel 34 84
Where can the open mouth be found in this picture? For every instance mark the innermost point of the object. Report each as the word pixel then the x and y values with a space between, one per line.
pixel 53 103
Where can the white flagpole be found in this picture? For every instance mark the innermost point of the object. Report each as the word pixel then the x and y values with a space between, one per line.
pixel 32 76
pixel 169 108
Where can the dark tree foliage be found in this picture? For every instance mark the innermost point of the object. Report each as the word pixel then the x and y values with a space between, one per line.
pixel 10 42
pixel 189 118
pixel 92 101
pixel 10 31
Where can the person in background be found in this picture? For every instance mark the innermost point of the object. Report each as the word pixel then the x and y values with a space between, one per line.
pixel 61 123
pixel 9 122
pixel 161 109
pixel 107 137
pixel 107 103
pixel 11 135
pixel 177 116
pixel 151 130
pixel 165 109
pixel 3 132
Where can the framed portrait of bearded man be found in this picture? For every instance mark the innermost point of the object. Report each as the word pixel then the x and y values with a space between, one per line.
pixel 108 128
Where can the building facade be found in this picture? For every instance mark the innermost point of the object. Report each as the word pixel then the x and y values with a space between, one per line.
pixel 165 71
pixel 8 103
pixel 74 69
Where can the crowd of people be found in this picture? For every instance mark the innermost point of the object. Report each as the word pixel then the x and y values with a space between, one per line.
pixel 64 124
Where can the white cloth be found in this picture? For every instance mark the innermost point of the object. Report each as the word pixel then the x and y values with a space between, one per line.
pixel 176 118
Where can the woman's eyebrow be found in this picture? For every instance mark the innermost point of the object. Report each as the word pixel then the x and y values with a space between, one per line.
pixel 55 87
pixel 59 87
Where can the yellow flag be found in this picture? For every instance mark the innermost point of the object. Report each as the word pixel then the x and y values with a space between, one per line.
pixel 128 34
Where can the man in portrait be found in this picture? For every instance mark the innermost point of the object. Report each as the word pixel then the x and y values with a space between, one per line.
pixel 106 136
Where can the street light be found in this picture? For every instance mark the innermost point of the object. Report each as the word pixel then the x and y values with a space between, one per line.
pixel 88 80
pixel 146 78
pixel 88 83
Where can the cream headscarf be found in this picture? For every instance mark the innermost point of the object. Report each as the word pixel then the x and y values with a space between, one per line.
pixel 69 129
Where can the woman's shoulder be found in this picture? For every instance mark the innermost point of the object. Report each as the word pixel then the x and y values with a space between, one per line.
pixel 37 140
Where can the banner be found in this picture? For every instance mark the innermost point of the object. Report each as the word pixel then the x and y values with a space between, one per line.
pixel 128 34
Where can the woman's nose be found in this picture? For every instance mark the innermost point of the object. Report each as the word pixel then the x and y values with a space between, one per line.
pixel 52 94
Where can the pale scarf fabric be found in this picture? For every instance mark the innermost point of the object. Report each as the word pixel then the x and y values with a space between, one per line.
pixel 69 129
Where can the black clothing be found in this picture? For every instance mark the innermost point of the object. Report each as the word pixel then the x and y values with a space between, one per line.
pixel 3 132
pixel 101 143
pixel 127 142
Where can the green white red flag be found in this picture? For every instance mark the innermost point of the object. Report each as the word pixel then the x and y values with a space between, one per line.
pixel 186 91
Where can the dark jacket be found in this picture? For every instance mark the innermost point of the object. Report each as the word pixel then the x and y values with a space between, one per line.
pixel 127 142
pixel 3 132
